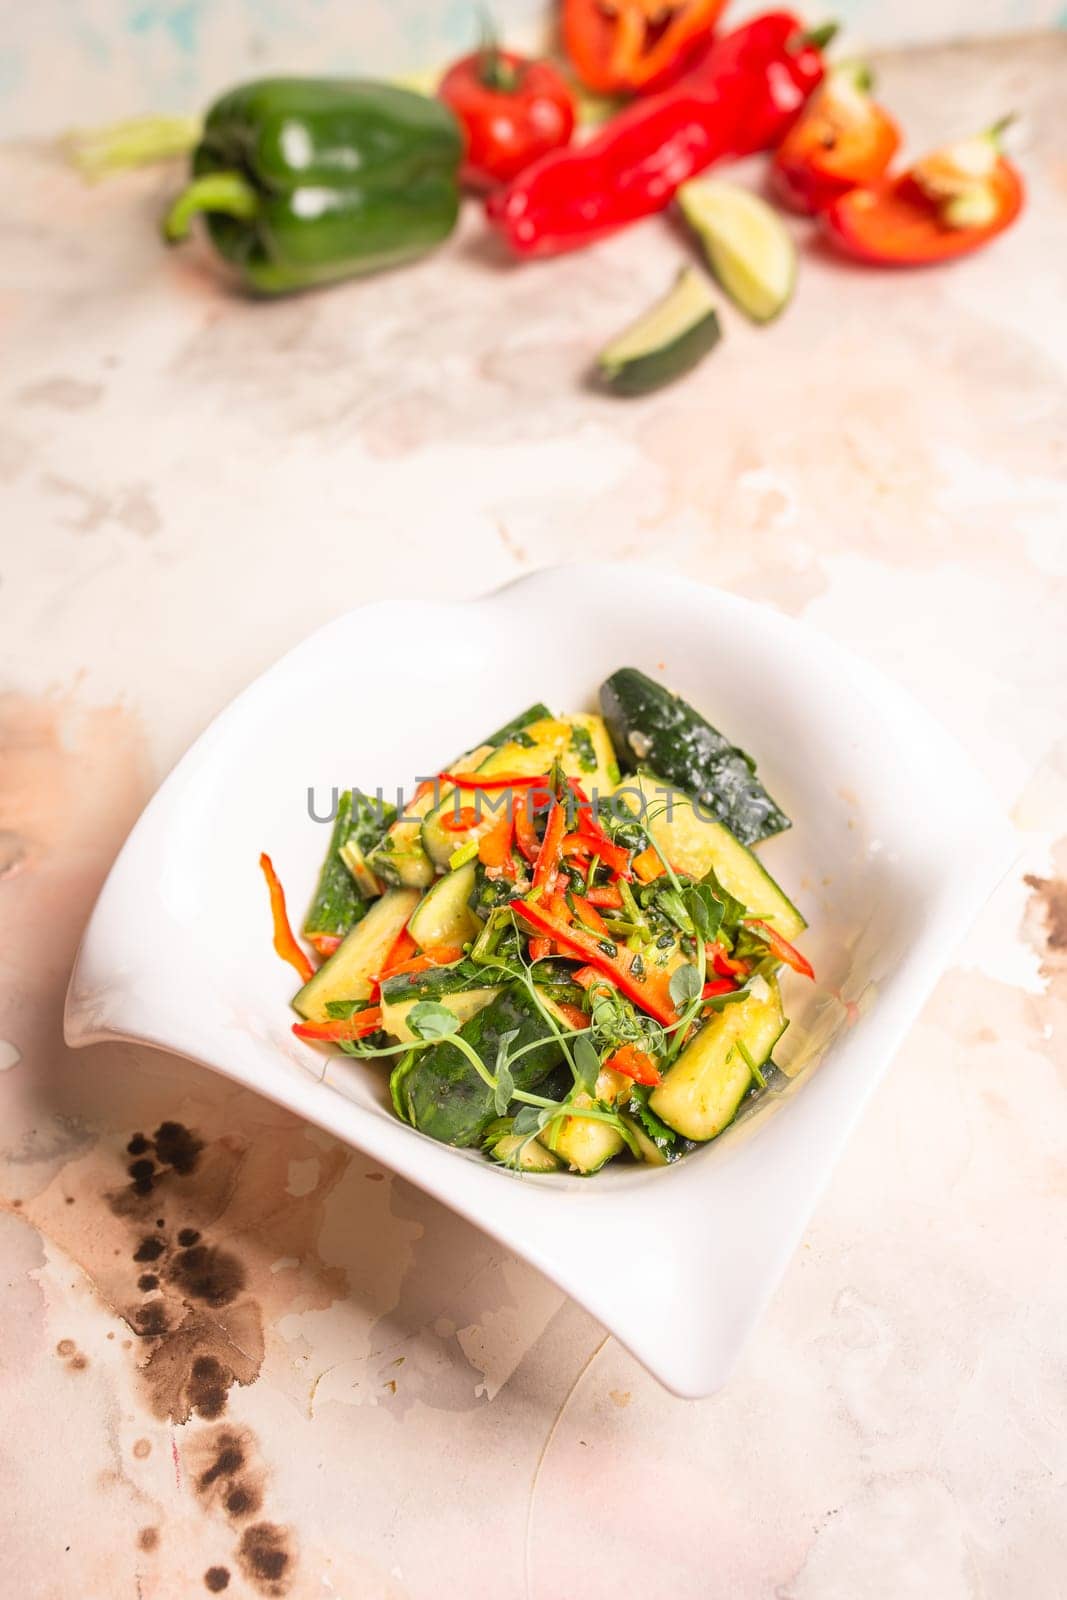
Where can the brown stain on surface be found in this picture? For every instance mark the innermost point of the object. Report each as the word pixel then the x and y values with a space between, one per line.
pixel 1045 920
pixel 265 1557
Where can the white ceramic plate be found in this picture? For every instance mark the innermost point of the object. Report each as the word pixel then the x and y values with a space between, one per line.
pixel 896 843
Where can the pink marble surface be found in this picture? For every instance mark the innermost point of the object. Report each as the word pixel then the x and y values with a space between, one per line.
pixel 353 1392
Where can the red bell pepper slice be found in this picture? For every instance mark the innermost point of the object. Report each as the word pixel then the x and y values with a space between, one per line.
pixel 354 1027
pixel 324 944
pixel 899 225
pixel 284 941
pixel 781 947
pixel 651 993
pixel 525 832
pixel 717 986
pixel 588 913
pixel 636 1064
pixel 726 965
pixel 548 856
pixel 573 1014
pixel 461 820
pixel 648 865
pixel 494 847
pixel 606 895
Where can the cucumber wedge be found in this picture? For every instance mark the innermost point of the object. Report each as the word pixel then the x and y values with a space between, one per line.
pixel 666 342
pixel 443 916
pixel 747 245
pixel 349 973
pixel 694 842
pixel 463 1006
pixel 702 1091
pixel 585 1143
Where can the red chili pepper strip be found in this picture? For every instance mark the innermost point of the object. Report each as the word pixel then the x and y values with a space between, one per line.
pixel 284 942
pixel 651 994
pixel 324 944
pixel 589 914
pixel 648 865
pixel 574 845
pixel 354 1027
pixel 494 846
pixel 540 948
pixel 781 947
pixel 460 821
pixel 588 976
pixel 403 948
pixel 717 986
pixel 605 895
pixel 515 780
pixel 525 832
pixel 725 964
pixel 548 857
pixel 636 1064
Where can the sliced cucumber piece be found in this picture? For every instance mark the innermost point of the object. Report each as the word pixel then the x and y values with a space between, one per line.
pixel 650 1151
pixel 666 342
pixel 702 1091
pixel 748 246
pixel 356 862
pixel 350 970
pixel 693 843
pixel 511 1149
pixel 586 1144
pixel 442 916
pixel 463 1005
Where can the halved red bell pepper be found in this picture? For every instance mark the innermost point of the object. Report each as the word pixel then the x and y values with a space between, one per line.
pixel 781 947
pixel 937 211
pixel 634 45
pixel 354 1027
pixel 651 992
pixel 636 1064
pixel 284 941
pixel 842 140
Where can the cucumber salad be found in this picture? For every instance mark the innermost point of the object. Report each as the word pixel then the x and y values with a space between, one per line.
pixel 563 948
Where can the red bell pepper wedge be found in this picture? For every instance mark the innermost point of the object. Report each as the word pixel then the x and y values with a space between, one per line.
pixel 513 780
pixel 905 222
pixel 633 46
pixel 573 1014
pixel 781 947
pixel 354 1027
pixel 842 140
pixel 548 856
pixel 742 96
pixel 324 944
pixel 606 895
pixel 651 993
pixel 402 950
pixel 284 941
pixel 636 1064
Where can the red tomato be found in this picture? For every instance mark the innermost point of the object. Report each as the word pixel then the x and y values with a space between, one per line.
pixel 513 110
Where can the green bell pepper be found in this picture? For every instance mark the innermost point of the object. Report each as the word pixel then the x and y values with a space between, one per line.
pixel 307 180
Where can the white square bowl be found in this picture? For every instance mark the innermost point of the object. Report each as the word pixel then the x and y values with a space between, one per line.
pixel 896 843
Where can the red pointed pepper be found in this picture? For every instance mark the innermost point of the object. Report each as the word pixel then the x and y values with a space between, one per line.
pixel 651 992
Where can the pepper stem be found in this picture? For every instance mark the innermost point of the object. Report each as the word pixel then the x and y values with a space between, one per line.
pixel 227 192
pixel 814 38
pixel 138 142
pixel 493 69
pixel 1001 126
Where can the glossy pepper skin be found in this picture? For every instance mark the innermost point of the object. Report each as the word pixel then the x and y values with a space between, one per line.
pixel 842 139
pixel 634 46
pixel 513 110
pixel 304 181
pixel 743 96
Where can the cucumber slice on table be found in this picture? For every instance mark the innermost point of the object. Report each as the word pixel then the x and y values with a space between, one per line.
pixel 702 1091
pixel 694 844
pixel 748 247
pixel 351 969
pixel 666 342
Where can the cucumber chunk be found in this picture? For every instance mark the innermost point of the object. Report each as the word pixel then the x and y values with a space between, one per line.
pixel 665 343
pixel 693 844
pixel 586 1144
pixel 702 1091
pixel 464 1005
pixel 442 916
pixel 341 897
pixel 748 247
pixel 401 858
pixel 349 973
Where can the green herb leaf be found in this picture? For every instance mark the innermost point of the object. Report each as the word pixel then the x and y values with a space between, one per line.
pixel 504 1087
pixel 586 1064
pixel 684 986
pixel 428 1020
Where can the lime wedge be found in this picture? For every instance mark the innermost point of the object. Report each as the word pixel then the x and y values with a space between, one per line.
pixel 666 342
pixel 747 245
